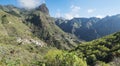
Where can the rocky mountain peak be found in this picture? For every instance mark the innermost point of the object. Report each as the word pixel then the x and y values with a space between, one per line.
pixel 43 8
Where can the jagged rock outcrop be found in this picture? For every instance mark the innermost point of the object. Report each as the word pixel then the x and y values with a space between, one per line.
pixel 43 8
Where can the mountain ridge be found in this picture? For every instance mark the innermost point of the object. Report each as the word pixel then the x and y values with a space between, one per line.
pixel 90 28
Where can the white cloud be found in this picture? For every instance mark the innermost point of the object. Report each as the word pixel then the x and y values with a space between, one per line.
pixel 90 10
pixel 68 16
pixel 29 4
pixel 100 16
pixel 73 13
pixel 75 8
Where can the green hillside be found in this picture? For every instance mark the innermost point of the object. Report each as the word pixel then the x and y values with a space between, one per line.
pixel 101 51
pixel 13 30
pixel 17 43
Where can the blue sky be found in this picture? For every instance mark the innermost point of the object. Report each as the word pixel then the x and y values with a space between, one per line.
pixel 74 8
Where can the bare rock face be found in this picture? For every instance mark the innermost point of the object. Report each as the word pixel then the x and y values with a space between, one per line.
pixel 43 8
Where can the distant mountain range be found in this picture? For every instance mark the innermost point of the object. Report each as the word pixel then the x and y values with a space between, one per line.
pixel 90 28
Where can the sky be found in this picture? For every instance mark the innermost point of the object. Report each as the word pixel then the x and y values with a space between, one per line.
pixel 72 8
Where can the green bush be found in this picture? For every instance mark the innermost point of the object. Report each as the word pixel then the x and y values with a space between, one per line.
pixel 4 19
pixel 61 58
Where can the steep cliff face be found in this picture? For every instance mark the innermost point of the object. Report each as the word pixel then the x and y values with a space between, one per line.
pixel 43 8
